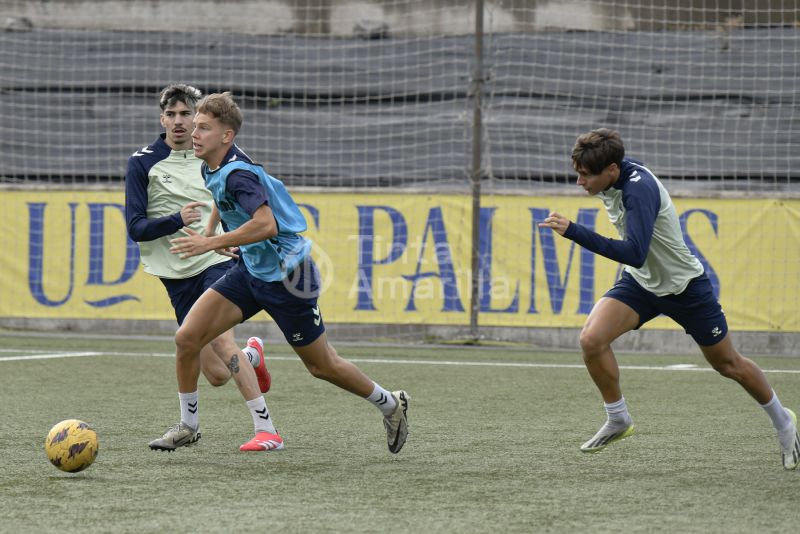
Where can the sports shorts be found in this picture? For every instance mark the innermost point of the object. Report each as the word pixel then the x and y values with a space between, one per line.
pixel 184 292
pixel 697 309
pixel 292 302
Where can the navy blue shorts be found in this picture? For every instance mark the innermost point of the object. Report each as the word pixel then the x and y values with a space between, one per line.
pixel 292 302
pixel 184 292
pixel 697 310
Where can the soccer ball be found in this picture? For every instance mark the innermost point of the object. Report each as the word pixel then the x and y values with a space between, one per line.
pixel 71 445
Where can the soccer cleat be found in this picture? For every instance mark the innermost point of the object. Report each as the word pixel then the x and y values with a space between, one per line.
pixel 264 378
pixel 397 424
pixel 607 435
pixel 264 441
pixel 791 456
pixel 180 435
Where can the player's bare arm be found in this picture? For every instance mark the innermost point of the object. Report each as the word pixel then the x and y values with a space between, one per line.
pixel 211 231
pixel 555 221
pixel 262 226
pixel 213 222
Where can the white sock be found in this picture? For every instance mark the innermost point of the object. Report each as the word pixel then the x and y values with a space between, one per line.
pixel 383 400
pixel 777 413
pixel 261 419
pixel 189 409
pixel 252 356
pixel 617 412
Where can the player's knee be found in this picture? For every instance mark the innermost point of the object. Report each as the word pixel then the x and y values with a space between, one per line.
pixel 216 380
pixel 318 371
pixel 726 369
pixel 591 343
pixel 731 368
pixel 327 368
pixel 186 343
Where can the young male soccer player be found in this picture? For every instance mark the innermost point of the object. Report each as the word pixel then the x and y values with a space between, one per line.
pixel 275 272
pixel 661 276
pixel 164 192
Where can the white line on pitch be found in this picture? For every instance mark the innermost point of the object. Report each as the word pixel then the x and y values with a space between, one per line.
pixel 672 367
pixel 49 356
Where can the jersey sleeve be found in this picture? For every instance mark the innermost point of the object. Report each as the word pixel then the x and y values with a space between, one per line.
pixel 642 201
pixel 247 189
pixel 140 228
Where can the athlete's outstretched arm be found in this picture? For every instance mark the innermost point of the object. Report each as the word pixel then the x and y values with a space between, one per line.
pixel 260 227
pixel 630 251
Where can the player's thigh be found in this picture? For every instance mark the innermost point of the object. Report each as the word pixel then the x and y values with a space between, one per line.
pixel 318 354
pixel 211 316
pixel 721 354
pixel 609 319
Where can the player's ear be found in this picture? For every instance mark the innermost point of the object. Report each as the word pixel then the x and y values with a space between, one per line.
pixel 227 136
pixel 161 119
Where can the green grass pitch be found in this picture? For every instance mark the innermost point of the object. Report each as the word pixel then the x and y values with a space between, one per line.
pixel 493 445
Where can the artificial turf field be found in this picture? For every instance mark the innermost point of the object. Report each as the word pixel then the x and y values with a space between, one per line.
pixel 493 445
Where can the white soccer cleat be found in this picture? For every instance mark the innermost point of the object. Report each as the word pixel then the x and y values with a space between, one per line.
pixel 607 435
pixel 396 424
pixel 790 456
pixel 180 435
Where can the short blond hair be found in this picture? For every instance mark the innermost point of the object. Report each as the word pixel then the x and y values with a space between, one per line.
pixel 222 107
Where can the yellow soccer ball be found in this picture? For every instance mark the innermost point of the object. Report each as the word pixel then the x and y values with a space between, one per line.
pixel 71 445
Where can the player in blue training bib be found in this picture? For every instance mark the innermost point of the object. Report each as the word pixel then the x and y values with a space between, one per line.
pixel 165 192
pixel 661 276
pixel 275 272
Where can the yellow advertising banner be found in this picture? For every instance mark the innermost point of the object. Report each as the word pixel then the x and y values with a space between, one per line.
pixel 405 259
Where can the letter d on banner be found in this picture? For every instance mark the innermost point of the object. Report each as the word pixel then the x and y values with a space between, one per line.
pixel 366 249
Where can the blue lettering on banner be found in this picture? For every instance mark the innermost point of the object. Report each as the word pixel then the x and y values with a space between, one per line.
pixel 366 249
pixel 36 253
pixel 36 250
pixel 557 288
pixel 97 256
pixel 447 276
pixel 714 220
pixel 485 266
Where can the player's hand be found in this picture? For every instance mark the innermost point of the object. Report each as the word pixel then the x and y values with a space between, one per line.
pixel 556 222
pixel 193 244
pixel 232 252
pixel 190 213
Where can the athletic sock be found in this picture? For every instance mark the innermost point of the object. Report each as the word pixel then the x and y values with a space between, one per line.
pixel 252 356
pixel 261 419
pixel 617 413
pixel 189 409
pixel 777 413
pixel 383 400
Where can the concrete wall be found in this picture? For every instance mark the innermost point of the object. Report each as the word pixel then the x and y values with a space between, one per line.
pixel 545 339
pixel 339 17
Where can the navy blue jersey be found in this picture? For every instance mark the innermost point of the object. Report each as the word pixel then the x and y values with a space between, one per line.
pixel 651 242
pixel 159 181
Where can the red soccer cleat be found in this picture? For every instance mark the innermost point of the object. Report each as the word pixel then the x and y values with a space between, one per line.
pixel 263 442
pixel 264 378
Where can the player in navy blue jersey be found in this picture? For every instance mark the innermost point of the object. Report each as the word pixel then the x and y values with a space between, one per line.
pixel 275 271
pixel 164 192
pixel 661 276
